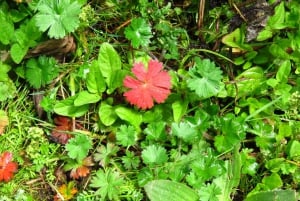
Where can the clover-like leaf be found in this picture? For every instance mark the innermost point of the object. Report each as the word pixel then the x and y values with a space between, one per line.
pixel 138 32
pixel 59 17
pixel 154 154
pixel 205 78
pixel 79 147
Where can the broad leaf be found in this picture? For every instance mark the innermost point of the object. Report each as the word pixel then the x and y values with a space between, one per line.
pixel 84 97
pixel 110 66
pixel 131 116
pixel 205 78
pixel 162 190
pixel 107 113
pixel 94 80
pixel 7 28
pixel 67 108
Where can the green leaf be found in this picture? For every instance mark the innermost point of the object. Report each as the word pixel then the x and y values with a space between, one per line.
pixel 179 109
pixel 272 182
pixel 184 130
pixel 41 71
pixel 154 155
pixel 276 195
pixel 264 35
pixel 107 113
pixel 59 17
pixel 79 147
pixel 67 108
pixel 138 32
pixel 276 21
pixel 94 81
pixel 17 52
pixel 104 153
pixel 108 60
pixel 7 90
pixel 4 69
pixel 284 71
pixel 129 115
pixel 156 131
pixel 209 192
pixel 108 184
pixel 236 39
pixel 116 80
pixel 248 82
pixel 294 149
pixel 110 66
pixel 84 97
pixel 162 190
pixel 130 161
pixel 126 135
pixel 7 28
pixel 232 132
pixel 205 78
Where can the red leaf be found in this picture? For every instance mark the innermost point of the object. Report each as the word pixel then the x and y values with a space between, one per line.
pixel 151 85
pixel 7 168
pixel 60 133
pixel 81 171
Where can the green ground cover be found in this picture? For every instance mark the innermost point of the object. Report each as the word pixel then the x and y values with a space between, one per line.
pixel 149 100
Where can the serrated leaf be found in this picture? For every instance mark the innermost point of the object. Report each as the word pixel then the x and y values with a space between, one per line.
pixel 59 17
pixel 79 147
pixel 205 78
pixel 156 131
pixel 126 135
pixel 138 32
pixel 108 184
pixel 185 131
pixel 41 71
pixel 154 155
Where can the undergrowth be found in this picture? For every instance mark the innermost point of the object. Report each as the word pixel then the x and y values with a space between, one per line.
pixel 133 100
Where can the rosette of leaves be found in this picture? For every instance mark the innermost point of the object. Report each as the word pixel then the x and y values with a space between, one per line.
pixel 41 71
pixel 59 17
